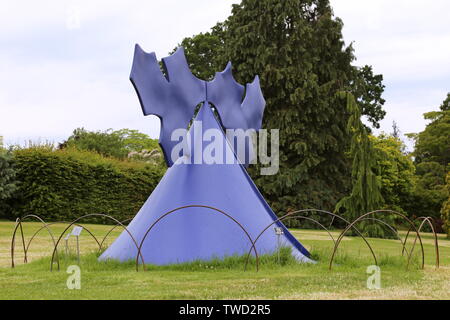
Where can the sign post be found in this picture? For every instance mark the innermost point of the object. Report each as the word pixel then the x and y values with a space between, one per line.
pixel 279 232
pixel 76 231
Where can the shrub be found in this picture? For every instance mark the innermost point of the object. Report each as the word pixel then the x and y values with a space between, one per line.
pixel 65 184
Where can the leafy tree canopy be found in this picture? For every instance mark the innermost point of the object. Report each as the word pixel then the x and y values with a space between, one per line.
pixel 396 170
pixel 297 49
pixel 368 88
pixel 445 211
pixel 432 158
pixel 134 140
pixel 106 143
pixel 430 191
pixel 110 143
pixel 433 144
pixel 207 53
pixel 366 193
pixel 204 52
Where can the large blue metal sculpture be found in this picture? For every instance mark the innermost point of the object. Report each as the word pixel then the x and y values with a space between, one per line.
pixel 195 233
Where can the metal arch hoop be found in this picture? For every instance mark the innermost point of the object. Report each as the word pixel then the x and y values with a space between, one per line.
pixel 393 231
pixel 372 213
pixel 431 223
pixel 111 230
pixel 13 241
pixel 25 248
pixel 197 206
pixel 296 217
pixel 92 215
pixel 100 244
pixel 316 222
pixel 286 216
pixel 60 222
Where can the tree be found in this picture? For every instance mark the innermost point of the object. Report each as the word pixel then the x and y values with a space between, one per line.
pixel 205 52
pixel 396 171
pixel 118 144
pixel 368 89
pixel 433 144
pixel 445 106
pixel 366 191
pixel 136 141
pixel 445 211
pixel 429 192
pixel 432 158
pixel 383 177
pixel 106 143
pixel 297 49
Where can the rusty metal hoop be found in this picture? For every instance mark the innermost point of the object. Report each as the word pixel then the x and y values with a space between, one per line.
pixel 60 222
pixel 25 248
pixel 13 242
pixel 198 206
pixel 92 215
pixel 111 230
pixel 341 236
pixel 393 231
pixel 316 222
pixel 334 215
pixel 431 223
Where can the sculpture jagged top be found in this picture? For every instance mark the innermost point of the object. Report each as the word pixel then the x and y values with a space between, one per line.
pixel 192 190
pixel 174 97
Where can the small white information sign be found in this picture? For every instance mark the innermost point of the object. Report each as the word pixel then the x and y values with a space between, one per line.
pixel 278 231
pixel 77 231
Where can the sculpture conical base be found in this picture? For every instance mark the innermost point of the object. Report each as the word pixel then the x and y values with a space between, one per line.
pixel 200 233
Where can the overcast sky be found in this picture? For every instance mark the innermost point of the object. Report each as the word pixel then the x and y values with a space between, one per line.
pixel 65 64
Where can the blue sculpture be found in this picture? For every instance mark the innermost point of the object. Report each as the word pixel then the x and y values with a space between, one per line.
pixel 194 232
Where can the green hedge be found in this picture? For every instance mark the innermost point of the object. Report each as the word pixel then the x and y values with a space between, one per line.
pixel 65 184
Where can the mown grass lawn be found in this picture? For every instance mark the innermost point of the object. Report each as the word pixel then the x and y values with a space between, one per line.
pixel 226 280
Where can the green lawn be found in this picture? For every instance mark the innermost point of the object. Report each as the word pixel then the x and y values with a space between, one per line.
pixel 226 280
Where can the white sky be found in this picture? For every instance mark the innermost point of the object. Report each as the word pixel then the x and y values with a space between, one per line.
pixel 65 64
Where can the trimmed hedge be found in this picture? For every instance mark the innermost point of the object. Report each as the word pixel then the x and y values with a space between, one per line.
pixel 65 184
